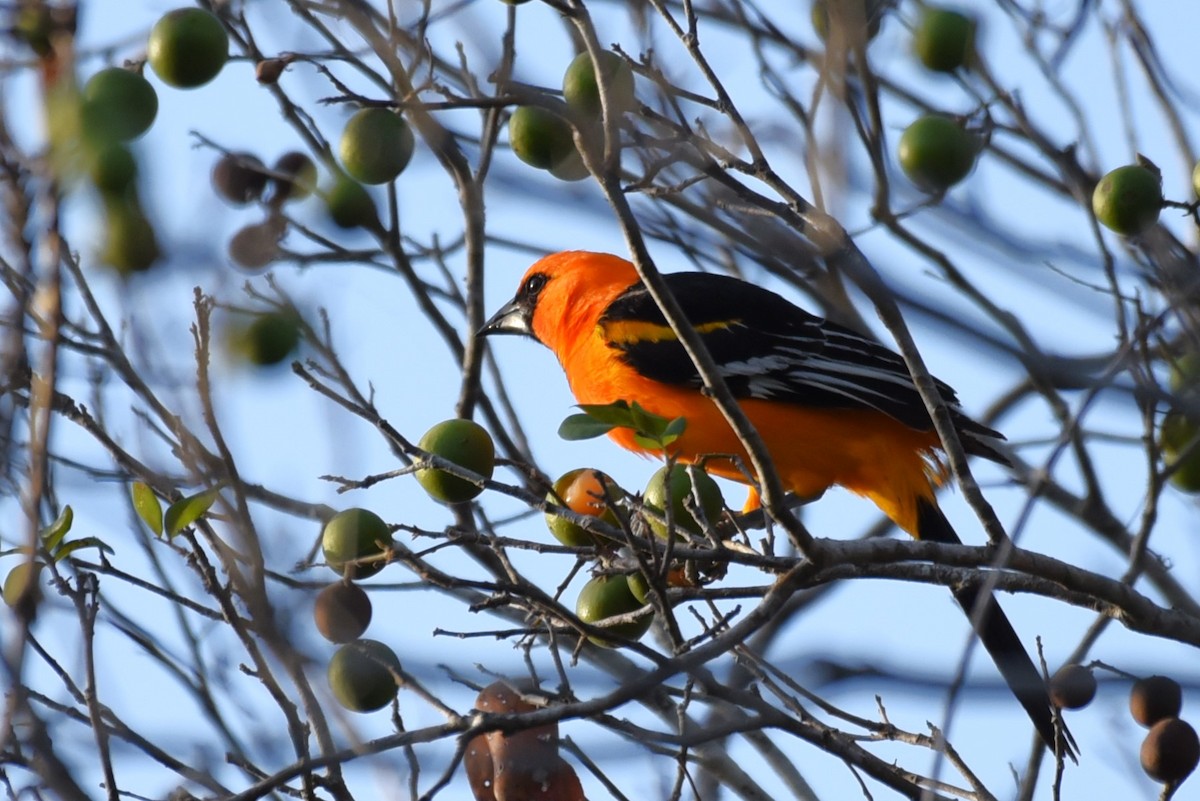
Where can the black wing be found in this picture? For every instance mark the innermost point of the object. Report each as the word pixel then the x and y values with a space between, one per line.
pixel 769 348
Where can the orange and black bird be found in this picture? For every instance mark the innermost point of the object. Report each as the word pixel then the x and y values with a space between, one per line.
pixel 834 408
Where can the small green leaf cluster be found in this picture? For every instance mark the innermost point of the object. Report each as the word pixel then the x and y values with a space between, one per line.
pixel 179 515
pixel 650 430
pixel 20 585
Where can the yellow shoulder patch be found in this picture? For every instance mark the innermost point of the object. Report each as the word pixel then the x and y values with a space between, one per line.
pixel 631 332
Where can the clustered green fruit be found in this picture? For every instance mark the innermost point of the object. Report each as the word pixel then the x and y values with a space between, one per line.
pixel 586 492
pixel 464 443
pixel 363 675
pixel 1179 427
pixel 118 104
pixel 849 16
pixel 944 39
pixel 349 204
pixel 604 597
pixel 265 339
pixel 543 139
pixel 936 152
pixel 672 487
pixel 539 137
pixel 130 244
pixel 354 543
pixel 1128 199
pixel 581 89
pixel 112 168
pixel 376 145
pixel 187 47
pixel 90 131
pixel 1177 433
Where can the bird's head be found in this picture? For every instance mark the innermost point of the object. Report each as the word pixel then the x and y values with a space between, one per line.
pixel 562 296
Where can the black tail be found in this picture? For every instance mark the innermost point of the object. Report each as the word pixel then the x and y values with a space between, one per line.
pixel 999 638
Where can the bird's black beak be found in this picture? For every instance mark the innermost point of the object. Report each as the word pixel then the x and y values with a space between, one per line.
pixel 514 317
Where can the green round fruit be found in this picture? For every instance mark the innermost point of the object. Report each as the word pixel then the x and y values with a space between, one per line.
pixel 1196 179
pixel 944 39
pixel 354 535
pixel 640 587
pixel 1128 199
pixel 350 205
pixel 570 168
pixel 608 596
pixel 1177 433
pixel 130 244
pixel 582 91
pixel 301 177
pixel 239 178
pixel 677 490
pixel 187 47
pixel 376 145
pixel 362 675
pixel 112 168
pixel 583 491
pixel 1185 375
pixel 464 443
pixel 118 104
pixel 871 13
pixel 342 612
pixel 936 153
pixel 267 339
pixel 539 137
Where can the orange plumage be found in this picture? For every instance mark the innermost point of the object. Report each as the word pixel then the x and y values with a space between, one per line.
pixel 833 407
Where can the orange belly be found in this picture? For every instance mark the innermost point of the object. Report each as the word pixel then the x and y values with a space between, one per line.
pixel 813 449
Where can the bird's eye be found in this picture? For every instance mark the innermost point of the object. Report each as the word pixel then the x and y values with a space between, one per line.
pixel 534 284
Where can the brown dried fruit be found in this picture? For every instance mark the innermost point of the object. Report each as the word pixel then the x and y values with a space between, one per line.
pixel 301 181
pixel 239 177
pixel 477 760
pixel 1170 751
pixel 342 612
pixel 525 763
pixel 1072 687
pixel 1155 698
pixel 256 245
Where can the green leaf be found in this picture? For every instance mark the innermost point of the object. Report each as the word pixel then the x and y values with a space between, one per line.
pixel 581 426
pixel 52 534
pixel 183 513
pixel 649 443
pixel 146 504
pixel 647 423
pixel 616 413
pixel 83 542
pixel 674 430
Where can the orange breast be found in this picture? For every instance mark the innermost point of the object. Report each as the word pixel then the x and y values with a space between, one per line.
pixel 813 449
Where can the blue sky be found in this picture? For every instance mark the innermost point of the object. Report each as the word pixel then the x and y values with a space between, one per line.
pixel 287 437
